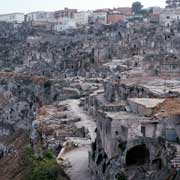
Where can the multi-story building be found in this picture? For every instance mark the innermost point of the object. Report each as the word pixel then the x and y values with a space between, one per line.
pixel 118 14
pixel 41 16
pixel 156 10
pixel 65 13
pixel 51 17
pixel 65 23
pixel 83 17
pixel 154 18
pixel 36 16
pixel 100 16
pixel 56 16
pixel 124 10
pixel 14 17
pixel 115 17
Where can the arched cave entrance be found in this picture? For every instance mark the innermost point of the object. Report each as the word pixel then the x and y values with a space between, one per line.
pixel 138 155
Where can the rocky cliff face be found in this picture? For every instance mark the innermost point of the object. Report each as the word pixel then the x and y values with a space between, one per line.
pixel 20 98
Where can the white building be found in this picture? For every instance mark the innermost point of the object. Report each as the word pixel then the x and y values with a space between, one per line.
pixel 14 17
pixel 50 16
pixel 64 24
pixel 169 16
pixel 82 18
pixel 100 17
pixel 41 16
pixel 156 10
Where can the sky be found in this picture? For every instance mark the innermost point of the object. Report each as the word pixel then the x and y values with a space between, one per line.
pixel 25 6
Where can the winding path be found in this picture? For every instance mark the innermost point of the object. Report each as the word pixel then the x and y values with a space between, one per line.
pixel 86 121
pixel 78 158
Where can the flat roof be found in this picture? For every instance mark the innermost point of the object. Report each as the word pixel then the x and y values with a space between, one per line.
pixel 123 115
pixel 132 117
pixel 162 86
pixel 147 102
pixel 156 85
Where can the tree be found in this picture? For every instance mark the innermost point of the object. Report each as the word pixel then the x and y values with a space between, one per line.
pixel 136 7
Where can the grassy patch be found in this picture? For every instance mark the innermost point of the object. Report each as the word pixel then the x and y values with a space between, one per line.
pixel 45 168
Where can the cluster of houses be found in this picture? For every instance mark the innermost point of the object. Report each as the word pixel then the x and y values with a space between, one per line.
pixel 70 18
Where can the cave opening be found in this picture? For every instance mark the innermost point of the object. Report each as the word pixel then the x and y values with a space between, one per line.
pixel 138 155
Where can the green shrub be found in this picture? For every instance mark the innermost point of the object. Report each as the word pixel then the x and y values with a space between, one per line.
pixel 45 168
pixel 121 176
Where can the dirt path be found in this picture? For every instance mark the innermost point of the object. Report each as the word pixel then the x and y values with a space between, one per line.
pixel 86 120
pixel 78 158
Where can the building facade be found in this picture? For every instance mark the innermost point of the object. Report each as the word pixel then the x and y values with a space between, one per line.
pixel 100 17
pixel 65 24
pixel 14 17
pixel 83 17
pixel 169 16
pixel 65 13
pixel 41 16
pixel 156 10
pixel 115 17
pixel 124 10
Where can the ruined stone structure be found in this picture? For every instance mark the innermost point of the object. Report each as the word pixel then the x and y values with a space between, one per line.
pixel 127 76
pixel 135 124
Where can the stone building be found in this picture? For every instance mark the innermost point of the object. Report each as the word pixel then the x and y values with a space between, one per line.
pixel 65 13
pixel 65 23
pixel 173 3
pixel 83 17
pixel 169 16
pixel 115 17
pixel 167 64
pixel 14 17
pixel 40 16
pixel 100 17
pixel 136 122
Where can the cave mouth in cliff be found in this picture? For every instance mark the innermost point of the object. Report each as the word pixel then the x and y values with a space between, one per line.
pixel 138 155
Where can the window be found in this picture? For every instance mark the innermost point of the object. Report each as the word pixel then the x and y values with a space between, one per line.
pixel 143 130
pixel 174 67
pixel 124 132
